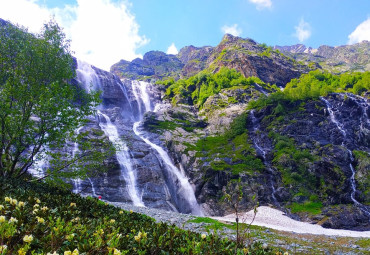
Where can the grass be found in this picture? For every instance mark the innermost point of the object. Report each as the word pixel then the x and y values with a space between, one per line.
pixel 309 206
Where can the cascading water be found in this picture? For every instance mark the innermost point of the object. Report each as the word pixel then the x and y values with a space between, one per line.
pixel 77 182
pixel 263 154
pixel 353 172
pixel 123 158
pixel 186 193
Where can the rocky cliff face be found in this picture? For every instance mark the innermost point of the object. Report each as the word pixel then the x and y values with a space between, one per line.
pixel 334 59
pixel 244 55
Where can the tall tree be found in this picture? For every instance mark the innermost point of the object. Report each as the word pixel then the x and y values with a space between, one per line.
pixel 39 107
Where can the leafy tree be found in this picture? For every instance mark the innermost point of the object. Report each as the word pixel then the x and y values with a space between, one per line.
pixel 39 108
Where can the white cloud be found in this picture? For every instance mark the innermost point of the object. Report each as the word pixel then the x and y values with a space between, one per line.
pixel 260 4
pixel 102 32
pixel 233 30
pixel 303 30
pixel 361 33
pixel 26 13
pixel 172 49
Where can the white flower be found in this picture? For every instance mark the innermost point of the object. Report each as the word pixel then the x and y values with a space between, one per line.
pixel 20 204
pixel 204 236
pixel 54 253
pixel 13 220
pixel 40 220
pixel 112 221
pixel 3 248
pixel 1 207
pixel 8 199
pixel 116 252
pixel 28 238
pixel 2 218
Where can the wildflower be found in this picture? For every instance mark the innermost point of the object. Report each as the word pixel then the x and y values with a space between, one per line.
pixel 40 220
pixel 204 236
pixel 137 238
pixel 131 211
pixel 1 207
pixel 67 253
pixel 35 211
pixel 20 204
pixel 28 238
pixel 286 253
pixel 70 237
pixel 21 251
pixel 245 250
pixel 38 201
pixel 121 212
pixel 36 206
pixel 45 208
pixel 13 201
pixel 264 246
pixel 54 253
pixel 2 219
pixel 73 205
pixel 13 220
pixel 99 197
pixel 112 221
pixel 75 252
pixel 8 199
pixel 3 248
pixel 116 252
pixel 76 219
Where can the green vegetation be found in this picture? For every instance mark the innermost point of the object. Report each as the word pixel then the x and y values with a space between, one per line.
pixel 315 84
pixel 198 88
pixel 231 151
pixel 38 219
pixel 362 173
pixel 39 108
pixel 308 206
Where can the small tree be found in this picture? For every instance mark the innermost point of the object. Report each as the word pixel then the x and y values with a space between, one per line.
pixel 233 196
pixel 39 108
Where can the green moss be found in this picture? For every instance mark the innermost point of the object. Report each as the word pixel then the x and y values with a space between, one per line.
pixel 309 207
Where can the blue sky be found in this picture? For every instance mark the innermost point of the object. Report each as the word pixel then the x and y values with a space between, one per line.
pixel 105 31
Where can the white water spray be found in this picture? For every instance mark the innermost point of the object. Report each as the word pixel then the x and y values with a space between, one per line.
pixel 186 189
pixel 123 158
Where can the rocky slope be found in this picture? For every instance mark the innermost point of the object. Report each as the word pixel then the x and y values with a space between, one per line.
pixel 299 161
pixel 337 59
pixel 244 55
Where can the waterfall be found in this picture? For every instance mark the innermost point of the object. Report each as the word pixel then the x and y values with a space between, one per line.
pixel 87 76
pixel 123 158
pixel 353 173
pixel 76 182
pixel 263 154
pixel 332 116
pixel 185 191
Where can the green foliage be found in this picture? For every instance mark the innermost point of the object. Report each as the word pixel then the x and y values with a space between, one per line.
pixel 231 151
pixel 198 88
pixel 39 219
pixel 39 108
pixel 308 206
pixel 313 85
pixel 293 163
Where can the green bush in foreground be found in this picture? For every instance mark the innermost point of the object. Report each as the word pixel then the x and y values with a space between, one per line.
pixel 38 219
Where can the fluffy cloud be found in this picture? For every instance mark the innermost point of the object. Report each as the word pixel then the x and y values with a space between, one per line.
pixel 25 13
pixel 102 32
pixel 361 33
pixel 303 30
pixel 233 30
pixel 172 49
pixel 260 4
